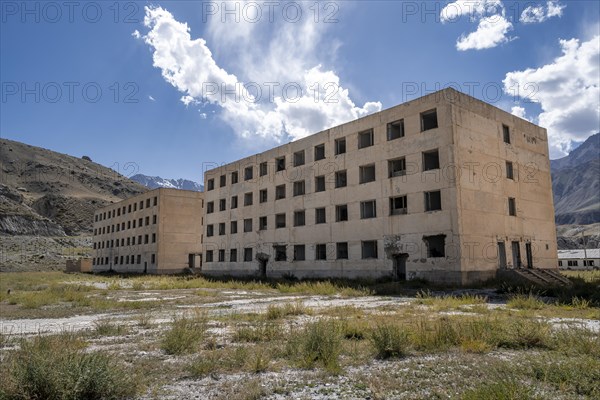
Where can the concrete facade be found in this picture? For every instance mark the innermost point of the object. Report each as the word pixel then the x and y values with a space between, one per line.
pixel 79 265
pixel 449 172
pixel 159 231
pixel 579 259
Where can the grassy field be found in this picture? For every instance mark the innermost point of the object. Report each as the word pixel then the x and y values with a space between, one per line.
pixel 146 337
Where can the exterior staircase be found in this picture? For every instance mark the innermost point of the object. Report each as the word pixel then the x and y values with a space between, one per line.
pixel 542 277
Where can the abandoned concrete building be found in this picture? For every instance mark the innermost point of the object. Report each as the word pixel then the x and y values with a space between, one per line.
pixel 445 187
pixel 159 231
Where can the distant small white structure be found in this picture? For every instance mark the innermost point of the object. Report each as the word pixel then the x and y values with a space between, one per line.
pixel 579 259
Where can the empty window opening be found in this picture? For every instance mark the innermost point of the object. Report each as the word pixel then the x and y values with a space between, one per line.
pixel 368 209
pixel 320 216
pixel 280 192
pixel 341 251
pixel 233 255
pixel 365 139
pixel 435 246
pixel 341 213
pixel 248 173
pixel 433 201
pixel 263 169
pixel 233 227
pixel 222 180
pixel 234 177
pixel 299 218
pixel 367 173
pixel 280 221
pixel 234 202
pixel 263 196
pixel 397 167
pixel 248 225
pixel 298 158
pixel 262 223
pixel 319 152
pixel 248 254
pixel 512 206
pixel 210 230
pixel 340 146
pixel 210 184
pixel 509 170
pixel 280 253
pixel 299 188
pixel 431 160
pixel 395 130
pixel 429 120
pixel 210 207
pixel 369 249
pixel 506 134
pixel 248 199
pixel 320 184
pixel 341 179
pixel 280 164
pixel 221 228
pixel 222 204
pixel 221 255
pixel 398 205
pixel 321 252
pixel 209 255
pixel 299 252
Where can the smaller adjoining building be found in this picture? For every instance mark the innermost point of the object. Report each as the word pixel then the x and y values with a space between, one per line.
pixel 159 232
pixel 79 265
pixel 579 259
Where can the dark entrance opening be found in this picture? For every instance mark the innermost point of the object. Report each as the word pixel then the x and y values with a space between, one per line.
pixel 516 253
pixel 502 255
pixel 400 266
pixel 529 255
pixel 145 267
pixel 263 268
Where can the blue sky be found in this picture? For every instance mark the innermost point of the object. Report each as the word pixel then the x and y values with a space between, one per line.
pixel 134 84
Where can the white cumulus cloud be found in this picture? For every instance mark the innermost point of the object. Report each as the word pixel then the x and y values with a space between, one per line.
pixel 537 14
pixel 490 32
pixel 568 92
pixel 518 111
pixel 280 92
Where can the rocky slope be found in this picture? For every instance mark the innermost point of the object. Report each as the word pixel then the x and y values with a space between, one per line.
pixel 45 193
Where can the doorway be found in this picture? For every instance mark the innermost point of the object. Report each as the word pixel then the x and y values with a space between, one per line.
pixel 502 255
pixel 516 253
pixel 400 266
pixel 145 267
pixel 263 268
pixel 191 259
pixel 529 255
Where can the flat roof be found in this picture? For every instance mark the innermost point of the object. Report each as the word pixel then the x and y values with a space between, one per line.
pixel 578 253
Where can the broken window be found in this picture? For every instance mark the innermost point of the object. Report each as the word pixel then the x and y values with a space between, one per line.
pixel 398 205
pixel 234 201
pixel 321 252
pixel 435 245
pixel 280 221
pixel 341 213
pixel 395 130
pixel 367 173
pixel 280 164
pixel 280 253
pixel 509 170
pixel 263 169
pixel 319 152
pixel 280 192
pixel 369 249
pixel 234 177
pixel 299 188
pixel 221 228
pixel 433 201
pixel 221 255
pixel 248 225
pixel 262 196
pixel 342 251
pixel 248 199
pixel 298 158
pixel 320 215
pixel 233 255
pixel 320 184
pixel 210 184
pixel 365 139
pixel 340 146
pixel 222 204
pixel 429 120
pixel 233 227
pixel 368 209
pixel 222 180
pixel 299 218
pixel 431 160
pixel 341 179
pixel 512 206
pixel 262 223
pixel 210 207
pixel 248 173
pixel 210 230
pixel 506 134
pixel 248 254
pixel 299 252
pixel 397 167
